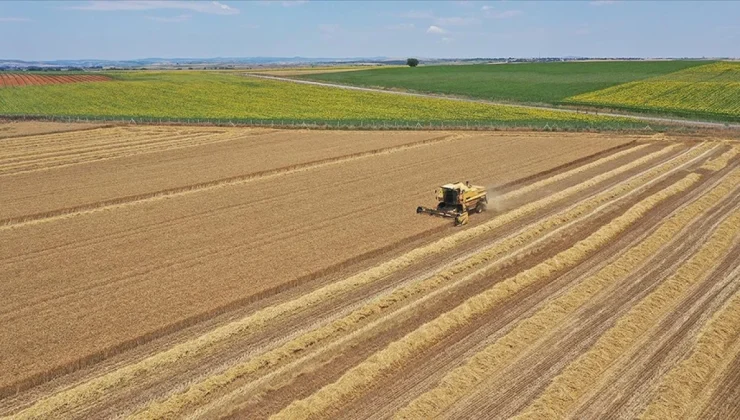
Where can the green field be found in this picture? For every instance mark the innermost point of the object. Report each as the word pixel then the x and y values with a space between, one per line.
pixel 232 97
pixel 709 91
pixel 548 83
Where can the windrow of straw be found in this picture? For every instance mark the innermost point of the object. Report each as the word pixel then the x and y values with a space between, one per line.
pixel 565 175
pixel 484 364
pixel 96 388
pixel 680 388
pixel 355 380
pixel 566 389
pixel 178 403
pixel 721 161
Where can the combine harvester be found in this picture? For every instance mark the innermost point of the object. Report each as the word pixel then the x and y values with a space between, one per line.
pixel 457 201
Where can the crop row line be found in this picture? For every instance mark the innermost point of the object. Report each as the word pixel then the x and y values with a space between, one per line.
pixel 97 387
pixel 566 388
pixel 372 368
pixel 489 255
pixel 219 183
pixel 720 162
pixel 494 357
pixel 716 345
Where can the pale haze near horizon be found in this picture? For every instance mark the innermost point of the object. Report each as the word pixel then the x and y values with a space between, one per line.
pixel 442 29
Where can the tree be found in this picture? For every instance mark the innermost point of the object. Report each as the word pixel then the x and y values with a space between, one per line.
pixel 412 62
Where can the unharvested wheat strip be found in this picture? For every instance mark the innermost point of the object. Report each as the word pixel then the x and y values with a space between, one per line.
pixel 97 387
pixel 353 381
pixel 722 161
pixel 177 403
pixel 680 388
pixel 497 355
pixel 566 389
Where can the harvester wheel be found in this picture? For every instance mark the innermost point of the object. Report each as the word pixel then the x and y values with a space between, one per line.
pixel 481 207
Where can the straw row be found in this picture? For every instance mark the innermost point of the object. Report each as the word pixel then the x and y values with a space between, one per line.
pixel 566 389
pixel 680 388
pixel 463 380
pixel 721 161
pixel 363 375
pixel 96 388
pixel 177 403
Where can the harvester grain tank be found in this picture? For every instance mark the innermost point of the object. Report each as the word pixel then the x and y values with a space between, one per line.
pixel 457 201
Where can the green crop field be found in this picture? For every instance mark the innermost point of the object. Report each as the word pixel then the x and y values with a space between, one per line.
pixel 209 95
pixel 711 91
pixel 548 83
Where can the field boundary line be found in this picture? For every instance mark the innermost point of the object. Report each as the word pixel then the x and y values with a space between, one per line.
pixel 464 379
pixel 427 286
pixel 351 124
pixel 260 318
pixel 17 222
pixel 374 366
pixel 569 385
pixel 663 120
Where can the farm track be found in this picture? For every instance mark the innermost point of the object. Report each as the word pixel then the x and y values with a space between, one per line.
pixel 507 305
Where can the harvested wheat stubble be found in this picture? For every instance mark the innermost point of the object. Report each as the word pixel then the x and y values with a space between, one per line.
pixel 164 256
pixel 179 185
pixel 566 388
pixel 97 387
pixel 680 388
pixel 360 376
pixel 464 379
pixel 31 128
pixel 177 403
pixel 241 154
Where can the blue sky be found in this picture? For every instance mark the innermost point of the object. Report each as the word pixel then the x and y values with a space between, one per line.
pixel 47 30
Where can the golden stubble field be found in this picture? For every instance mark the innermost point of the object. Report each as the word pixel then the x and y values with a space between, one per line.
pixel 213 272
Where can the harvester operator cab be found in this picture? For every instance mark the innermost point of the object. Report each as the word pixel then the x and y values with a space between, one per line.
pixel 457 200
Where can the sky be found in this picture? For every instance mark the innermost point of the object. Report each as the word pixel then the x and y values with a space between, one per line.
pixel 119 30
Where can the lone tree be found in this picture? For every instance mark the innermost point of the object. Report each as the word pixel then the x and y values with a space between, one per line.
pixel 412 62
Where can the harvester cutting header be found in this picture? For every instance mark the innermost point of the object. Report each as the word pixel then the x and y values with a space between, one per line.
pixel 457 201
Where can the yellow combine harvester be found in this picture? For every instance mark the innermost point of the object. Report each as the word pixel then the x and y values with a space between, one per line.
pixel 457 201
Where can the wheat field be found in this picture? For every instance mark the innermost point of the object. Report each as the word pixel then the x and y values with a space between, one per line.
pixel 209 272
